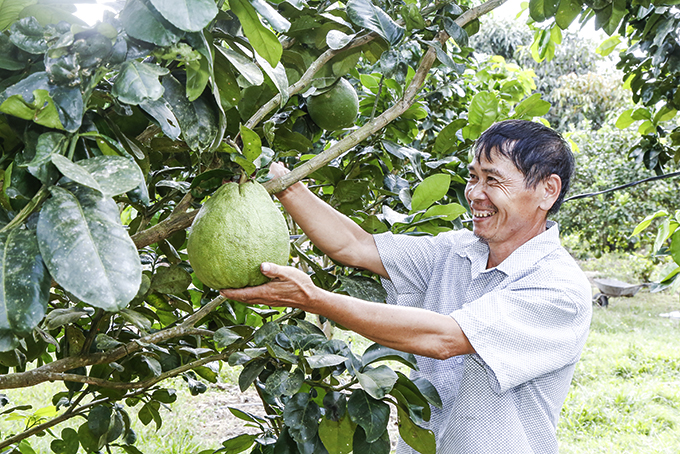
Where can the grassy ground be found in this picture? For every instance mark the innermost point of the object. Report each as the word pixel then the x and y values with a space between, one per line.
pixel 625 395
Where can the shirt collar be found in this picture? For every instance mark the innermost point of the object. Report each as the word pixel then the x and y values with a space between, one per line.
pixel 524 256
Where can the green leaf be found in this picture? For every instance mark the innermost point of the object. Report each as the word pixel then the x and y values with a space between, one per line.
pixel 371 414
pixel 283 382
pixel 278 77
pixel 301 415
pixel 250 372
pixel 263 40
pixel 647 221
pixel 567 11
pixel 541 10
pixel 87 249
pixel 172 280
pixel 99 420
pixel 608 45
pixel 361 445
pixel 224 337
pixel 252 145
pixel 138 82
pixel 447 138
pixel 363 287
pixel 674 248
pixel 429 191
pixel 142 23
pixel 35 105
pixel 420 439
pixel 456 32
pixel 377 352
pixel 68 444
pixel 377 382
pixel 74 172
pixel 273 18
pixel 188 15
pixel 531 107
pixel 625 119
pixel 24 287
pixel 115 175
pixel 238 443
pixel 244 66
pixel 483 110
pixel 337 436
pixel 28 35
pixel 41 166
pixel 448 212
pixel 160 111
pixel 198 119
pixel 324 360
pixel 365 14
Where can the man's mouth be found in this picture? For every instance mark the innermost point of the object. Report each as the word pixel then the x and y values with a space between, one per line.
pixel 483 213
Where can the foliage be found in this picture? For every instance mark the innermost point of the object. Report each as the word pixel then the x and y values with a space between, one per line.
pixel 112 135
pixel 606 222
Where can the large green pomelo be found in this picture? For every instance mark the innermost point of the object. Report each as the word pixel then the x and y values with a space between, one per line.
pixel 336 108
pixel 235 230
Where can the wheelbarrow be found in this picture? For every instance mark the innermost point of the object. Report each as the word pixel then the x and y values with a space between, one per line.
pixel 613 288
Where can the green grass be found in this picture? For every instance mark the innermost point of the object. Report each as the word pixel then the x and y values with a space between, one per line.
pixel 625 396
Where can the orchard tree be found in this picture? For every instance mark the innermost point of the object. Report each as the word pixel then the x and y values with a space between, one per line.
pixel 114 134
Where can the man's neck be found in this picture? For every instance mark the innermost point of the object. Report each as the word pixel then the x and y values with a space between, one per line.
pixel 498 252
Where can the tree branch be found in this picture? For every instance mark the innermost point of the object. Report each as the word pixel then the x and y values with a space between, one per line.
pixel 45 372
pixel 279 184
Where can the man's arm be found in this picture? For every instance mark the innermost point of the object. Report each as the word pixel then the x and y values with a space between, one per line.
pixel 408 329
pixel 331 231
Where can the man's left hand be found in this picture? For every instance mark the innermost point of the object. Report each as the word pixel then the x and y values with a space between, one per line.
pixel 288 287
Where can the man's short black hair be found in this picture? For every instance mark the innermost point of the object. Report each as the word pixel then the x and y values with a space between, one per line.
pixel 536 150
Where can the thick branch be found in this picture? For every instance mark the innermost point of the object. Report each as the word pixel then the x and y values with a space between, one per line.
pixel 179 219
pixel 43 373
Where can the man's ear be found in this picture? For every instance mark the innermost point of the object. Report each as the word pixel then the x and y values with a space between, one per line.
pixel 551 191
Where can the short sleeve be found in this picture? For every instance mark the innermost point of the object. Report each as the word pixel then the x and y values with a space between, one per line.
pixel 524 333
pixel 408 260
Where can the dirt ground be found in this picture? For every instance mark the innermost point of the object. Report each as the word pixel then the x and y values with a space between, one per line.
pixel 217 423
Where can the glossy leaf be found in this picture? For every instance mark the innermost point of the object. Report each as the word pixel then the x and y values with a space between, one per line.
pixel 541 10
pixel 531 107
pixel 245 67
pixel 74 172
pixel 252 145
pixel 371 414
pixel 144 24
pixel 24 287
pixel 379 446
pixel 363 288
pixel 377 352
pixel 263 40
pixel 238 443
pixel 420 439
pixel 41 166
pixel 430 190
pixel 115 175
pixel 377 382
pixel 567 11
pixel 188 15
pixel 198 119
pixel 365 14
pixel 273 17
pixel 160 111
pixel 138 82
pixel 337 436
pixel 301 415
pixel 326 360
pixel 86 248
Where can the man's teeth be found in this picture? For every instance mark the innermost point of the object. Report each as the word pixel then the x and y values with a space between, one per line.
pixel 483 214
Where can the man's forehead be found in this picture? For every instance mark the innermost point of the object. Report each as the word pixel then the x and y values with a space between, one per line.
pixel 499 165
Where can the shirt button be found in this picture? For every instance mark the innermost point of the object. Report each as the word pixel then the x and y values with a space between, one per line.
pixel 459 360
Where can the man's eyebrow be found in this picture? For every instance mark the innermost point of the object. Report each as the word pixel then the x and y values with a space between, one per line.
pixel 487 170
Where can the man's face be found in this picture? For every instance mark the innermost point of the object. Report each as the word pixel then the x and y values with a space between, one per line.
pixel 504 211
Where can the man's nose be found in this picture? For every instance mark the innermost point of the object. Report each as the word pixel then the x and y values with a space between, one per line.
pixel 475 191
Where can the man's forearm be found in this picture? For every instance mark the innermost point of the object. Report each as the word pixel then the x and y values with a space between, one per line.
pixel 407 329
pixel 331 231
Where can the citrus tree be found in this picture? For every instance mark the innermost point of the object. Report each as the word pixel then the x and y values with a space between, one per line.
pixel 114 134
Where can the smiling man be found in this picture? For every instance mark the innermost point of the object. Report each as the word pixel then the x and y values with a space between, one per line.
pixel 498 316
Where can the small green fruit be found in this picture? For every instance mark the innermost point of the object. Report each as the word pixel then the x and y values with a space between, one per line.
pixel 237 229
pixel 336 108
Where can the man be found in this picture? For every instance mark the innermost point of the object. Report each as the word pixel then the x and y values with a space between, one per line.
pixel 498 315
